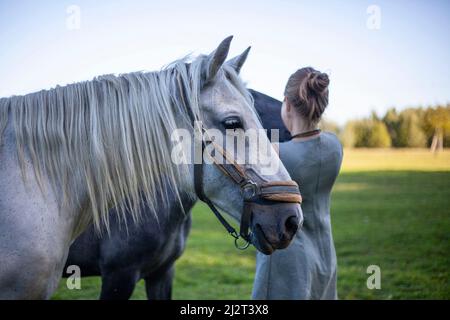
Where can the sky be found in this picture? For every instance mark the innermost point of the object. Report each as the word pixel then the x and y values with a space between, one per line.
pixel 378 54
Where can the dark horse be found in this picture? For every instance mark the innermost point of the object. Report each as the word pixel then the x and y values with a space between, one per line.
pixel 148 250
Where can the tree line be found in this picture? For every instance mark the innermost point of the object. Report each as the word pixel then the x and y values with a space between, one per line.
pixel 409 128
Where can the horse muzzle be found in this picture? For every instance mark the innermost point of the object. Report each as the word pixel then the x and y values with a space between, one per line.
pixel 274 225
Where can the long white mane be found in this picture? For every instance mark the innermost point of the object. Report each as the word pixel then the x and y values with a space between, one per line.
pixel 110 135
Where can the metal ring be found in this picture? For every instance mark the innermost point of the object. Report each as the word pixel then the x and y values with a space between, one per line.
pixel 245 246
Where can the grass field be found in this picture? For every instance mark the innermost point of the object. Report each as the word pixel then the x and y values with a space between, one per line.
pixel 389 208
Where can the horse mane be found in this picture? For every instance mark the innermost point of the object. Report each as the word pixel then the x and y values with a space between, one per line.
pixel 111 134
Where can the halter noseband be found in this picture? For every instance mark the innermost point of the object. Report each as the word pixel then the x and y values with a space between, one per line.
pixel 252 191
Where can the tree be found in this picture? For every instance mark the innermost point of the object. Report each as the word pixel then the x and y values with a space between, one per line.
pixel 413 127
pixel 366 133
pixel 378 136
pixel 437 124
pixel 362 133
pixel 392 121
pixel 410 132
pixel 348 136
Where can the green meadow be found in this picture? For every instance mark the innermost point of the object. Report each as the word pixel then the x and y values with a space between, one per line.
pixel 390 208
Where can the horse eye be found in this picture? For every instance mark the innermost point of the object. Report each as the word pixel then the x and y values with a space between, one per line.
pixel 232 123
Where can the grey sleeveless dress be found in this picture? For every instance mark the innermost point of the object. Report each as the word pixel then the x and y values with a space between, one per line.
pixel 307 268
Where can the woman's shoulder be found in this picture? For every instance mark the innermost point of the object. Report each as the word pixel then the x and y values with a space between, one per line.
pixel 331 145
pixel 331 139
pixel 331 136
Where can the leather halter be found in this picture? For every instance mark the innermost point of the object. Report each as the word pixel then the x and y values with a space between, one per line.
pixel 252 191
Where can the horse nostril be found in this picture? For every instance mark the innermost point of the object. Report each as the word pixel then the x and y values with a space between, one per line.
pixel 292 225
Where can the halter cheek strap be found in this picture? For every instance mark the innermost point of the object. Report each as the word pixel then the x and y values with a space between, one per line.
pixel 252 191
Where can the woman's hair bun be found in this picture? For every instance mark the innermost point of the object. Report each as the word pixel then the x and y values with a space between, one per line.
pixel 318 82
pixel 307 91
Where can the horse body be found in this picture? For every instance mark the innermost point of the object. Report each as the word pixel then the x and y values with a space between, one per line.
pixel 147 250
pixel 269 111
pixel 70 154
pixel 34 238
pixel 127 255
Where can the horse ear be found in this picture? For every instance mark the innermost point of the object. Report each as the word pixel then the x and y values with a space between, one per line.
pixel 217 58
pixel 238 61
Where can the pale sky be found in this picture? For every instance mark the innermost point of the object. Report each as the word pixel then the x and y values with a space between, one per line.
pixel 401 59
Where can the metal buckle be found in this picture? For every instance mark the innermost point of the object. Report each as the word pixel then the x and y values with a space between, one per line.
pixel 249 190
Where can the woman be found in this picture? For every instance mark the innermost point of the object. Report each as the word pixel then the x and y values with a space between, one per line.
pixel 307 268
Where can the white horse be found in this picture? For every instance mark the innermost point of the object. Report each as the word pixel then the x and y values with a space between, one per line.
pixel 69 154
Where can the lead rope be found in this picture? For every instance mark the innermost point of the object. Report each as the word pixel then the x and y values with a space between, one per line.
pixel 230 229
